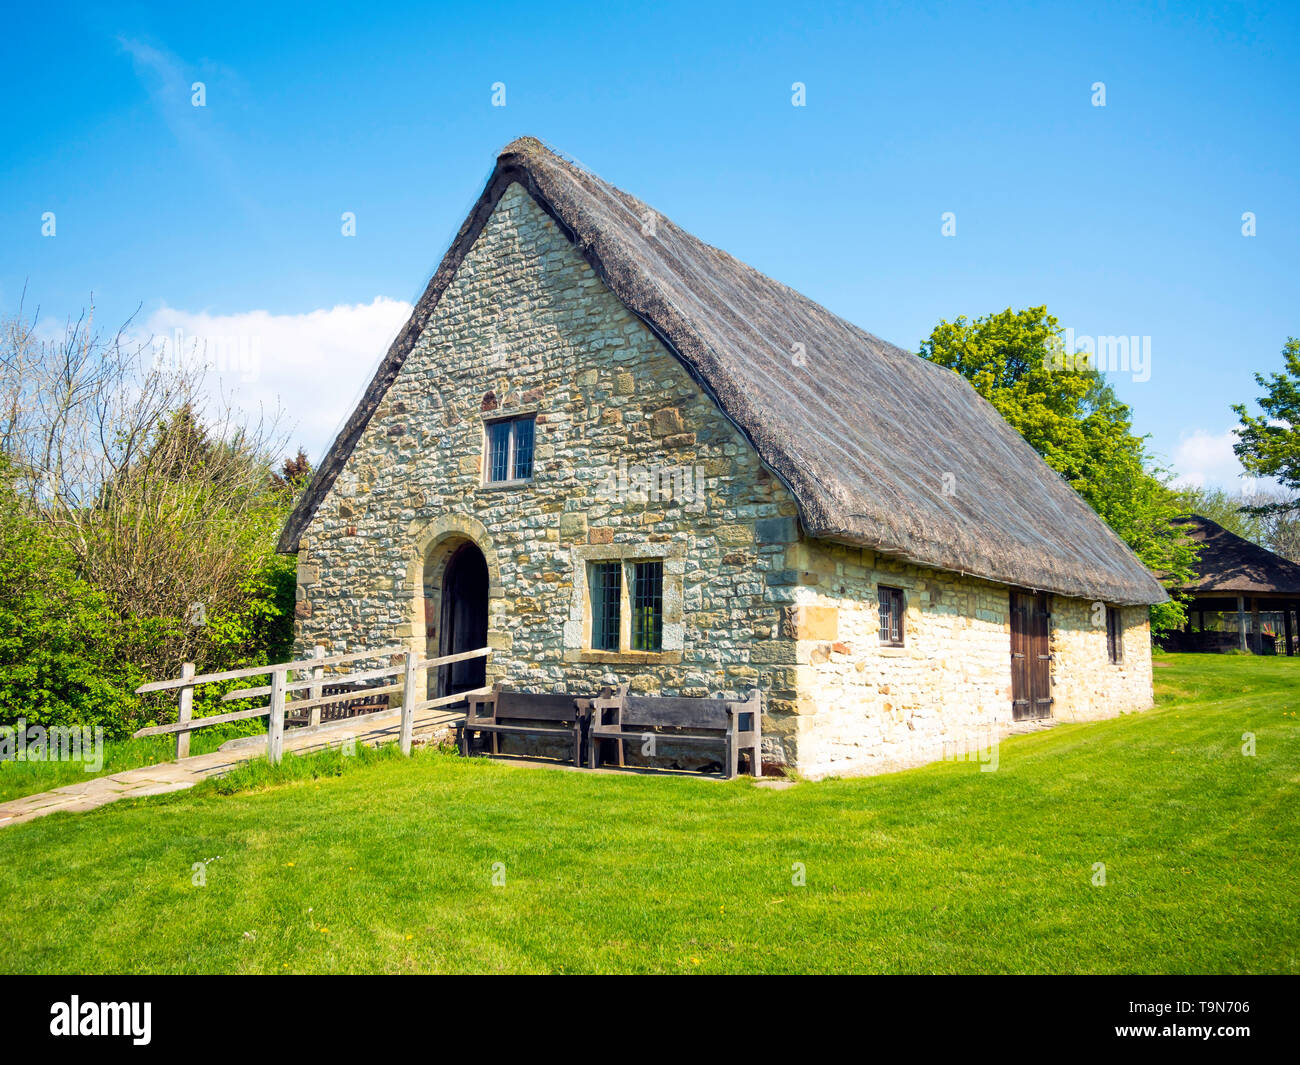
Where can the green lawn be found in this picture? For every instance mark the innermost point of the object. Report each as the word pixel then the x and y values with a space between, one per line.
pixel 389 866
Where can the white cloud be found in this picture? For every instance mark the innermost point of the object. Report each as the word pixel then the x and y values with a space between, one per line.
pixel 1204 459
pixel 310 366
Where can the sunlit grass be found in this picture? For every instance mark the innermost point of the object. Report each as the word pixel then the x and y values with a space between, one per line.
pixel 388 864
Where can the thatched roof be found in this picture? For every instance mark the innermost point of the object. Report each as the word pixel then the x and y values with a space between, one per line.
pixel 1231 564
pixel 862 432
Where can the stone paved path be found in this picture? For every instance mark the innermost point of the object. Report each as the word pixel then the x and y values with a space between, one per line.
pixel 372 729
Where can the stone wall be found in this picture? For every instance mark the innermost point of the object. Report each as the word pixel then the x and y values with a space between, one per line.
pixel 633 461
pixel 864 707
pixel 1087 685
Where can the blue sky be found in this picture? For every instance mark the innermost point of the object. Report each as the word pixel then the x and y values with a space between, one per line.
pixel 1124 219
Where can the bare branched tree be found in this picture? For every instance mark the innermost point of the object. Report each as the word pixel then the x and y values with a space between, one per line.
pixel 157 483
pixel 1279 523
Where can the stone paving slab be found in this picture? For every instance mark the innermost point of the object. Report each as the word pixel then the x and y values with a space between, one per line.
pixel 371 729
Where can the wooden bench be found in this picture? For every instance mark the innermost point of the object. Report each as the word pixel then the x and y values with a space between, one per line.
pixel 526 714
pixel 729 723
pixel 362 704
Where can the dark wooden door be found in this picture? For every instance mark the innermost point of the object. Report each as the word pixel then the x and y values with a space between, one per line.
pixel 1031 660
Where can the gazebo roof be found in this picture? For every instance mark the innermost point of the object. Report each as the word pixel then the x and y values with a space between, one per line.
pixel 1231 564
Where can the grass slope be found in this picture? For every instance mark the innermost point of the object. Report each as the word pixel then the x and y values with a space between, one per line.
pixel 388 866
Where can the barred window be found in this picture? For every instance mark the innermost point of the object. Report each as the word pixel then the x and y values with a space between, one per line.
pixel 891 616
pixel 510 449
pixel 647 606
pixel 1114 635
pixel 606 583
pixel 523 463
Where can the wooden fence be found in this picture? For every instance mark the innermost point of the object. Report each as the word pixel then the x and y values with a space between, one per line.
pixel 411 670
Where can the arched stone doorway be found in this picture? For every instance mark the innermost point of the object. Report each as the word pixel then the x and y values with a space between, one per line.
pixel 456 612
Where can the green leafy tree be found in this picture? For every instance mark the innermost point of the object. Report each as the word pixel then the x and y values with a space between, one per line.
pixel 58 633
pixel 1268 445
pixel 1069 414
pixel 198 576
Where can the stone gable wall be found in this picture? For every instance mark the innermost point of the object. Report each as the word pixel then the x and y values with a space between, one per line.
pixel 527 326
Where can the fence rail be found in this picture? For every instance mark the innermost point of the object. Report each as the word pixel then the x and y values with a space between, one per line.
pixel 411 669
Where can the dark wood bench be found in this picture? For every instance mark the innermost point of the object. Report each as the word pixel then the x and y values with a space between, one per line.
pixel 501 712
pixel 732 724
pixel 362 704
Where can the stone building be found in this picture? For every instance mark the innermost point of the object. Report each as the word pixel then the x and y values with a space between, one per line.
pixel 614 453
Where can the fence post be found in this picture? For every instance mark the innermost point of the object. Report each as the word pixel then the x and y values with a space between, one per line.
pixel 409 685
pixel 317 688
pixel 186 712
pixel 275 730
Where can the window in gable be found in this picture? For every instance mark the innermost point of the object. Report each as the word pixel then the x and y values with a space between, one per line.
pixel 509 450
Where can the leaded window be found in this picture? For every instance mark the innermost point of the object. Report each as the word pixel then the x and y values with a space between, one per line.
pixel 647 606
pixel 510 449
pixel 606 584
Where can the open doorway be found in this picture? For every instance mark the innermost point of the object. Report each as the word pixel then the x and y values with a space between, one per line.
pixel 463 619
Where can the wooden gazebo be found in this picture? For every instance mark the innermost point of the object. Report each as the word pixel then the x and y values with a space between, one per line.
pixel 1246 597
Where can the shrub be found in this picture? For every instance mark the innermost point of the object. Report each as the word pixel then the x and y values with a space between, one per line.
pixel 57 632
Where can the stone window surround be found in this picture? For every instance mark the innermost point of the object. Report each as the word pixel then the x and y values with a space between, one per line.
pixel 913 608
pixel 498 414
pixel 577 627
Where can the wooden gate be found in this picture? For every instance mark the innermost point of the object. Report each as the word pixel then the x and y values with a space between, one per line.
pixel 1031 660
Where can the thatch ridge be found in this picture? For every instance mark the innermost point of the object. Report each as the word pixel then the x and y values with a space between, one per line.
pixel 863 434
pixel 1232 564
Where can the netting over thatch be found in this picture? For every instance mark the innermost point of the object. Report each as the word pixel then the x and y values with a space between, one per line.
pixel 880 448
pixel 1229 563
